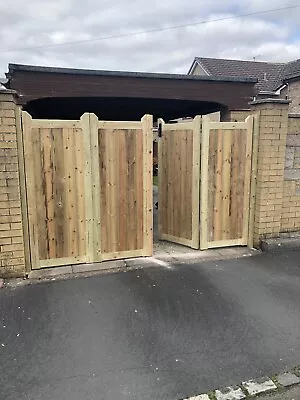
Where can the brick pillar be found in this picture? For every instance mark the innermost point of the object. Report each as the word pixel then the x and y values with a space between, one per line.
pixel 12 263
pixel 273 126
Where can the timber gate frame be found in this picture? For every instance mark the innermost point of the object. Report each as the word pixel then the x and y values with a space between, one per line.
pixel 206 181
pixel 88 188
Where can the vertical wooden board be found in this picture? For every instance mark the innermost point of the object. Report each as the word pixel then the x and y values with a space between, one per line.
pixel 189 187
pixel 46 137
pixel 204 184
pixel 30 188
pixel 184 209
pixel 122 192
pixel 39 192
pixel 165 210
pixel 113 183
pixel 96 185
pixel 226 181
pixel 68 228
pixel 103 157
pixel 176 172
pixel 22 177
pixel 58 190
pixel 218 193
pixel 147 176
pixel 74 198
pixel 212 159
pixel 170 200
pixel 140 188
pixel 196 182
pixel 235 172
pixel 131 177
pixel 79 157
pixel 88 192
pixel 162 180
pixel 241 180
pixel 108 211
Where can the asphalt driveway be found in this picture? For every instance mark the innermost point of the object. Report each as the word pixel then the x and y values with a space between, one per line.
pixel 152 334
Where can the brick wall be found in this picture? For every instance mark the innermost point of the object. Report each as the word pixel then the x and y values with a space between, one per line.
pixel 11 231
pixel 290 218
pixel 273 122
pixel 294 96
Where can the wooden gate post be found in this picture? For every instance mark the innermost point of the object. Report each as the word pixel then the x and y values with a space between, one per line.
pixel 272 131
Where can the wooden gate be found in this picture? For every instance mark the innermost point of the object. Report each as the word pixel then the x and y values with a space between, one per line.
pixel 226 150
pixel 89 189
pixel 179 182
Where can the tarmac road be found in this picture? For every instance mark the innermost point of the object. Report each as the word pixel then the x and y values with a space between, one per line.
pixel 152 334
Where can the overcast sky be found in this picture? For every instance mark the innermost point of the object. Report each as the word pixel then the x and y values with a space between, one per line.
pixel 273 36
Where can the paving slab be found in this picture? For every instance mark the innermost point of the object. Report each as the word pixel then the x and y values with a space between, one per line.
pixel 257 386
pixel 230 393
pixel 290 394
pixel 288 379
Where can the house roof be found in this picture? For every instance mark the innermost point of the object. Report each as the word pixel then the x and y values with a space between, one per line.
pixel 270 75
pixel 292 69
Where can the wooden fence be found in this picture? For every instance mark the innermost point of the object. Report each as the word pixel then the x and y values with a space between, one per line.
pixel 89 189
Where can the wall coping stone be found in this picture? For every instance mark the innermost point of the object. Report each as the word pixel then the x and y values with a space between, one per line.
pixel 270 100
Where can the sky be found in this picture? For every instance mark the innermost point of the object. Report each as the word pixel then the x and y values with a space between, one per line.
pixel 33 31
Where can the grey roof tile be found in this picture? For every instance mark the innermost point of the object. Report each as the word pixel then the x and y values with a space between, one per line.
pixel 269 74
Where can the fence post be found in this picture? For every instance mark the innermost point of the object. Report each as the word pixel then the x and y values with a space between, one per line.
pixel 273 123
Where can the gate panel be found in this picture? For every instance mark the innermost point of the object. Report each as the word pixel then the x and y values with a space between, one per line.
pixel 55 176
pixel 89 189
pixel 226 169
pixel 124 201
pixel 178 182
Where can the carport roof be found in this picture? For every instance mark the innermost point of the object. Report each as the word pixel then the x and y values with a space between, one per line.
pixel 66 93
pixel 148 75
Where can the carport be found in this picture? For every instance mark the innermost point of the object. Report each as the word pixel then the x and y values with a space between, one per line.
pixel 62 93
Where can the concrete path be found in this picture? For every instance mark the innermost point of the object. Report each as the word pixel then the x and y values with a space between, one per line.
pixel 157 333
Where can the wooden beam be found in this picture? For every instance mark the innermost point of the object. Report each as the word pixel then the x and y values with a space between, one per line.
pixel 23 190
pixel 30 188
pixel 147 125
pixel 204 183
pixel 85 126
pixel 96 186
pixel 196 182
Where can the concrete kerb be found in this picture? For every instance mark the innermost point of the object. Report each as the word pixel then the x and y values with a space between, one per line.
pixel 160 259
pixel 253 388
